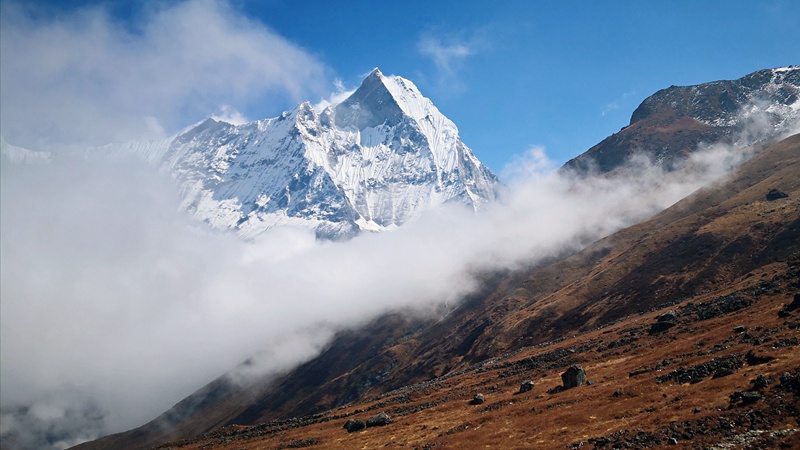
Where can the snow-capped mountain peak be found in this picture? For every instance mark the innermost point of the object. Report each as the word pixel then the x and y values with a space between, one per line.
pixel 372 162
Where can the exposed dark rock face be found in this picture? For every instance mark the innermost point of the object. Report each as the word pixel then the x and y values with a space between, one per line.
pixel 573 377
pixel 526 386
pixel 478 399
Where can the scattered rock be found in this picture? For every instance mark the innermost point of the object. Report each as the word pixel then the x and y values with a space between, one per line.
pixel 722 372
pixel 573 377
pixel 379 420
pixel 790 383
pixel 353 425
pixel 660 327
pixel 760 382
pixel 695 374
pixel 750 397
pixel 740 329
pixel 668 316
pixel 717 307
pixel 672 441
pixel 794 305
pixel 478 399
pixel 775 194
pixel 526 386
pixel 753 359
pixel 664 322
pixel 744 398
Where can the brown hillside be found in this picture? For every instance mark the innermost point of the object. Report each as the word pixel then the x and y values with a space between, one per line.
pixel 718 258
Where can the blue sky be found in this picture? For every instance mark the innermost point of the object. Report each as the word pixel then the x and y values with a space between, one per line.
pixel 511 75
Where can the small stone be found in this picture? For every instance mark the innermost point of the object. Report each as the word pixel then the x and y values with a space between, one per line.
pixel 722 372
pixel 526 386
pixel 750 397
pixel 697 410
pixel 379 420
pixel 740 329
pixel 353 425
pixel 660 327
pixel 672 441
pixel 794 305
pixel 753 359
pixel 775 194
pixel 478 399
pixel 760 382
pixel 668 316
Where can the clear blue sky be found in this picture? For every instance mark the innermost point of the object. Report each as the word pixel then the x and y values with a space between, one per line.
pixel 516 74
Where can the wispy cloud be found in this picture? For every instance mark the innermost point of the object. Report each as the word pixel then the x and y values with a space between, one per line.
pixel 616 104
pixel 446 56
pixel 449 53
pixel 87 77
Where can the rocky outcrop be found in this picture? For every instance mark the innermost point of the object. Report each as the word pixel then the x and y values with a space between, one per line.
pixel 573 377
pixel 679 120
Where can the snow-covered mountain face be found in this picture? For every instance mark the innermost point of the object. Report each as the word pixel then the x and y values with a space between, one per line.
pixel 381 157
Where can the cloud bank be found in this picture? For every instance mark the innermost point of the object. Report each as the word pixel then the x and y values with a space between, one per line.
pixel 89 77
pixel 115 307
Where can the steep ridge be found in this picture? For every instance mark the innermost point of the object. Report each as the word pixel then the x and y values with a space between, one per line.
pixel 376 160
pixel 679 120
pixel 728 302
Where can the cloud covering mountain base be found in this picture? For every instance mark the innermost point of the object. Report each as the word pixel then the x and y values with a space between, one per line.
pixel 115 307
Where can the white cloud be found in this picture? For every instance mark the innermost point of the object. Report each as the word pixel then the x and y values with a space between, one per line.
pixel 616 104
pixel 228 114
pixel 87 77
pixel 446 57
pixel 107 292
pixel 339 95
pixel 449 53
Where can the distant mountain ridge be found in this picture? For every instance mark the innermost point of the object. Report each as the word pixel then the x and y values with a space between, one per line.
pixel 678 120
pixel 371 162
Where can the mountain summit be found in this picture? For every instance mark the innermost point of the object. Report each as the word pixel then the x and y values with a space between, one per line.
pixel 372 162
pixel 678 120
